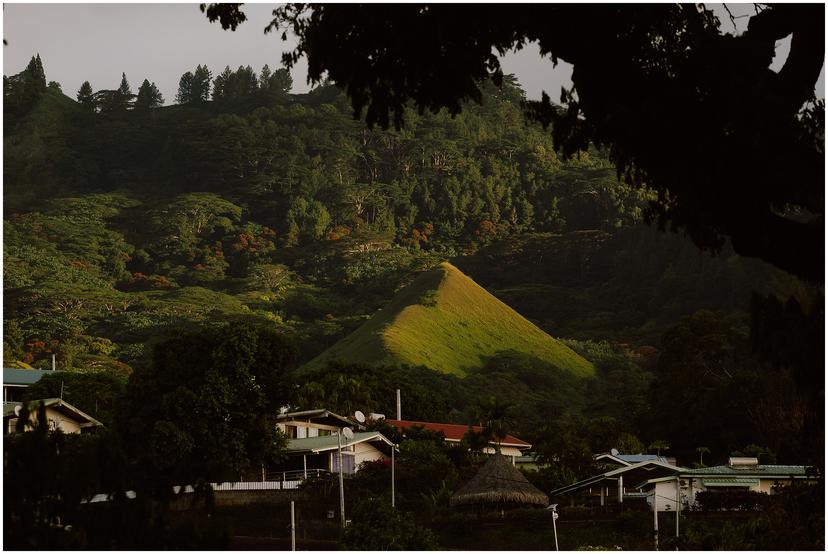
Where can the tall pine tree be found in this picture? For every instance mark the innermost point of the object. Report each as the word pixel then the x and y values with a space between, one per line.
pixel 85 96
pixel 123 96
pixel 194 87
pixel 185 89
pixel 221 84
pixel 201 84
pixel 33 81
pixel 148 96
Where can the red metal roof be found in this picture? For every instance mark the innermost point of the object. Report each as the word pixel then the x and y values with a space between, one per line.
pixel 455 432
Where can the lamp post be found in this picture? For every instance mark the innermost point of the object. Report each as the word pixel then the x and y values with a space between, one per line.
pixel 348 435
pixel 554 509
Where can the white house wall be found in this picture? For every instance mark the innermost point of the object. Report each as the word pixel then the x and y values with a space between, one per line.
pixel 666 496
pixel 365 452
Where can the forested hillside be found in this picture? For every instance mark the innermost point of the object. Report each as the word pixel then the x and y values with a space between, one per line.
pixel 126 220
pixel 127 223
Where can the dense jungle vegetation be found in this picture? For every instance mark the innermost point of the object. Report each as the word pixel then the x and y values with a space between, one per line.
pixel 129 225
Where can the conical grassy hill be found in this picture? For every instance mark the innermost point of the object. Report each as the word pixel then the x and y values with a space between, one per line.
pixel 447 322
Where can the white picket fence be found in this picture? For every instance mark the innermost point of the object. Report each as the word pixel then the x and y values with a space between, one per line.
pixel 276 481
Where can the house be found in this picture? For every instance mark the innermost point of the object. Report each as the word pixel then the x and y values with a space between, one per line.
pixel 321 453
pixel 740 473
pixel 511 447
pixel 16 380
pixel 60 415
pixel 529 461
pixel 620 484
pixel 666 485
pixel 315 439
pixel 313 423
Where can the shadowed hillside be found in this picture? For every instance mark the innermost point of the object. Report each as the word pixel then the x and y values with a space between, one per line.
pixel 449 323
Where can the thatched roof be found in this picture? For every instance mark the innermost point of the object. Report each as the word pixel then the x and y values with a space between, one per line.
pixel 499 482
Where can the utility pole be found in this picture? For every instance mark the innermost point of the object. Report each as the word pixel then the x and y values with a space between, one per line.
pixel 349 434
pixel 292 526
pixel 341 483
pixel 399 406
pixel 655 519
pixel 678 503
pixel 393 495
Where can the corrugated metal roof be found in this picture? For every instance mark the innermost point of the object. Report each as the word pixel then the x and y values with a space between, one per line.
pixel 14 376
pixel 759 471
pixel 635 458
pixel 331 442
pixel 730 482
pixel 455 432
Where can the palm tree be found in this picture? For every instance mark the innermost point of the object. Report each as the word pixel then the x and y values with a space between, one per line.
pixel 702 450
pixel 659 445
pixel 495 417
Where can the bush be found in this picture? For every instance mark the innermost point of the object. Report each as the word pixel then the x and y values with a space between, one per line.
pixel 732 500
pixel 377 526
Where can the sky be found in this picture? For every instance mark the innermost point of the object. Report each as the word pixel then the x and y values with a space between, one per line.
pixel 160 42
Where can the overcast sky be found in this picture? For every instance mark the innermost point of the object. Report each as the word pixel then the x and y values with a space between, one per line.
pixel 160 42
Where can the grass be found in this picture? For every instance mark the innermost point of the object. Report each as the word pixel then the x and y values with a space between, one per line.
pixel 447 322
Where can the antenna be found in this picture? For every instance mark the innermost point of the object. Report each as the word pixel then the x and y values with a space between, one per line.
pixel 348 433
pixel 359 416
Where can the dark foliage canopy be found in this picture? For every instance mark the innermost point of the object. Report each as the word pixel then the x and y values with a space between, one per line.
pixel 733 149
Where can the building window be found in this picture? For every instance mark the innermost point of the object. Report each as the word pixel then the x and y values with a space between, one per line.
pixel 290 431
pixel 348 465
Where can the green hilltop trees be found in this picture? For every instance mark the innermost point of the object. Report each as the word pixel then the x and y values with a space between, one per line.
pixel 148 96
pixel 194 87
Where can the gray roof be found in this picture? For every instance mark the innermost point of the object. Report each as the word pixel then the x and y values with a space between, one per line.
pixel 631 459
pixel 14 376
pixel 331 442
pixel 636 472
pixel 321 413
pixel 635 458
pixel 762 470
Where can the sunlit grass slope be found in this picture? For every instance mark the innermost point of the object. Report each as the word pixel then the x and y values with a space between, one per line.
pixel 449 323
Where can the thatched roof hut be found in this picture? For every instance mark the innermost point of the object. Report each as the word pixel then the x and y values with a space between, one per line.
pixel 499 483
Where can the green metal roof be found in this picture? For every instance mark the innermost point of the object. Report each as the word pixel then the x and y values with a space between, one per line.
pixel 14 376
pixel 730 482
pixel 762 470
pixel 331 442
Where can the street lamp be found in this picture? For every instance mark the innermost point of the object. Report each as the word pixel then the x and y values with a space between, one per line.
pixel 349 434
pixel 554 509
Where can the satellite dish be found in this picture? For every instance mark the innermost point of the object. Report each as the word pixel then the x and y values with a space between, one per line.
pixel 360 417
pixel 348 433
pixel 17 410
pixel 614 452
